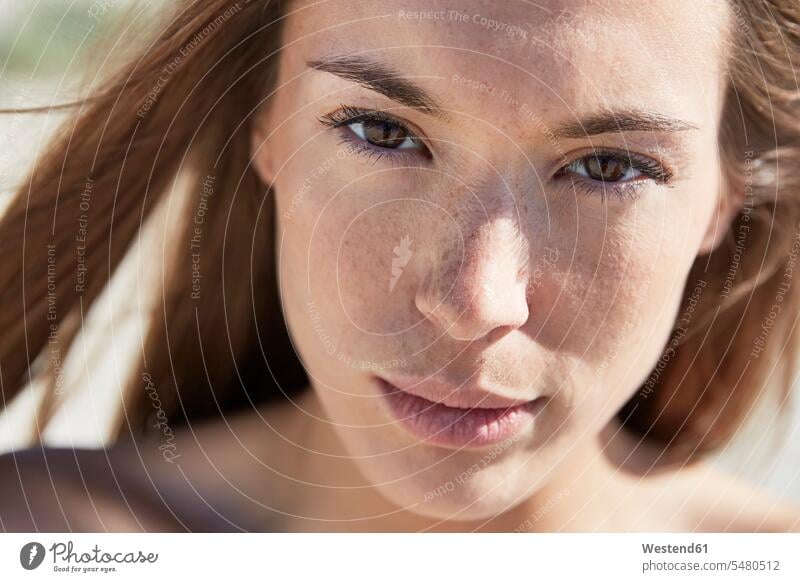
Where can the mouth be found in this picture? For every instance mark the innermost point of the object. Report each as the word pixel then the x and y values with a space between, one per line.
pixel 468 419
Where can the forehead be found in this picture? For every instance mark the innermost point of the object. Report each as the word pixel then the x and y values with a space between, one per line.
pixel 572 51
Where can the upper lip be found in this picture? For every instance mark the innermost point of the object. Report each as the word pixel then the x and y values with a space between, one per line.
pixel 454 395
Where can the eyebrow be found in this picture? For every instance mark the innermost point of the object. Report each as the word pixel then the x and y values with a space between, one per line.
pixel 381 78
pixel 619 121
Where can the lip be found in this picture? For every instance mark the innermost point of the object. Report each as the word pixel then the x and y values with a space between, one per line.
pixel 466 395
pixel 444 415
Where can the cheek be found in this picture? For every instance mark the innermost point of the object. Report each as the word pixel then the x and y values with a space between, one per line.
pixel 346 250
pixel 353 252
pixel 352 229
pixel 359 254
pixel 617 293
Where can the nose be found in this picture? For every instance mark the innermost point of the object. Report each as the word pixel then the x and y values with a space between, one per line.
pixel 480 289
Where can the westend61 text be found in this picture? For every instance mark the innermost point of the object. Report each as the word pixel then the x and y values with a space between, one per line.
pixel 671 549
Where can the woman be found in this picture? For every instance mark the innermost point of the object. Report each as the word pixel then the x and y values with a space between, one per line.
pixel 536 260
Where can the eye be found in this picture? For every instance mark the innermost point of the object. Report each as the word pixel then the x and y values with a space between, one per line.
pixel 375 133
pixel 614 171
pixel 605 168
pixel 384 134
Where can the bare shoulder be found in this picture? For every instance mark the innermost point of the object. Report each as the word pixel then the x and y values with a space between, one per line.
pixel 51 489
pixel 718 502
pixel 198 478
pixel 122 488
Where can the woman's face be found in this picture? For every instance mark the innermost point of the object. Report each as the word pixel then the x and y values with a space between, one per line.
pixel 486 217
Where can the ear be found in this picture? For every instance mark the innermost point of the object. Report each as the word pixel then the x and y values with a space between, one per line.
pixel 729 204
pixel 259 152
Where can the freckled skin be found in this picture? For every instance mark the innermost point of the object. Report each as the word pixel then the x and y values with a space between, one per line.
pixel 483 215
pixel 489 260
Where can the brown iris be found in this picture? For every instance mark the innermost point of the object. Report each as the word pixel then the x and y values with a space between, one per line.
pixel 384 134
pixel 605 168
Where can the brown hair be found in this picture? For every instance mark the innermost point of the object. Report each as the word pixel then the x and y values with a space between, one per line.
pixel 187 101
pixel 735 336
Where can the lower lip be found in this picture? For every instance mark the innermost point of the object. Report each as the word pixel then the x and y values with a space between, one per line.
pixel 458 427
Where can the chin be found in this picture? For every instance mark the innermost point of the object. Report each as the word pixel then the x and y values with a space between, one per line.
pixel 456 486
pixel 454 501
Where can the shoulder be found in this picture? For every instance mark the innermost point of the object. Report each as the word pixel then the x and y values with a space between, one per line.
pixel 115 489
pixel 714 501
pixel 199 479
pixel 46 489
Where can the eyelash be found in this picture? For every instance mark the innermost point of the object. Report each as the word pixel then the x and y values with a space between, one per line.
pixel 347 115
pixel 648 167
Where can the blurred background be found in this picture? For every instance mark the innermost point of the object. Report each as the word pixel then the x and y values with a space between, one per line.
pixel 49 51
